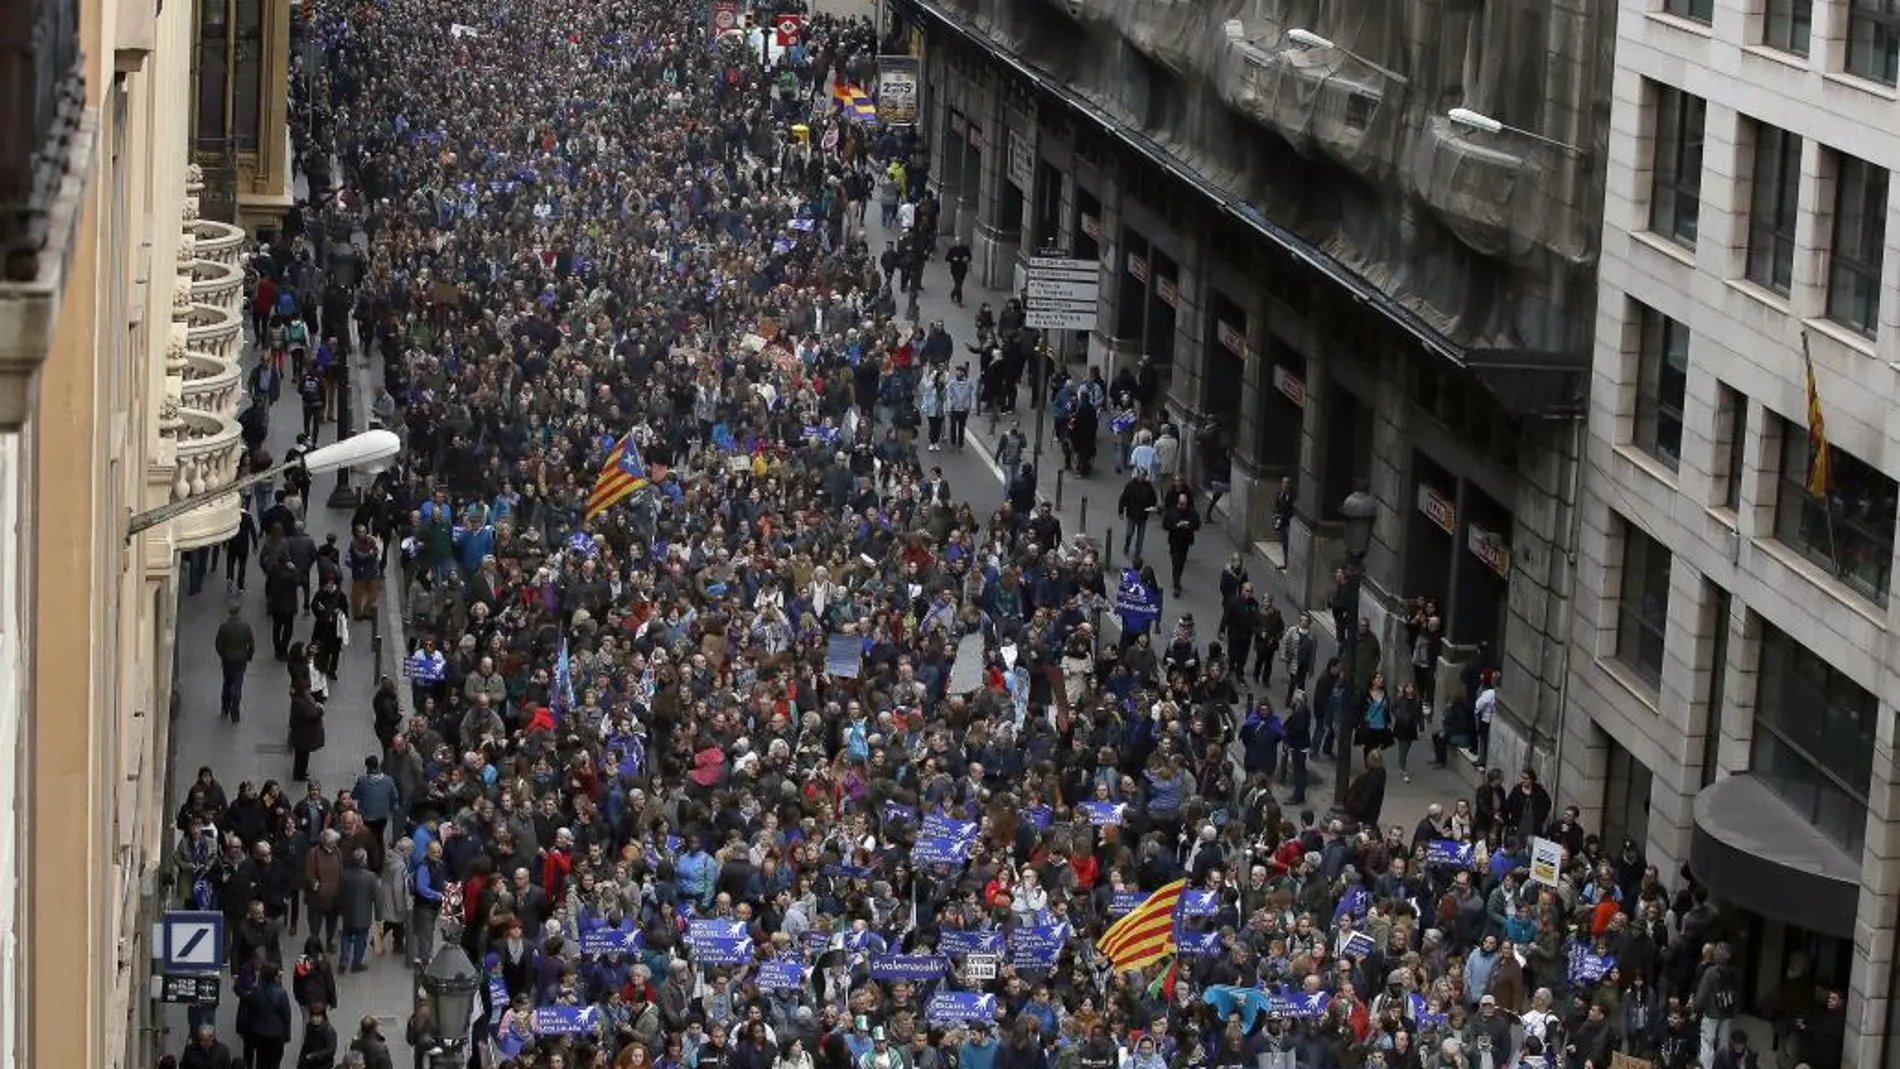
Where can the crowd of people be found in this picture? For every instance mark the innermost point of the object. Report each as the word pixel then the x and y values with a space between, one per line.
pixel 793 756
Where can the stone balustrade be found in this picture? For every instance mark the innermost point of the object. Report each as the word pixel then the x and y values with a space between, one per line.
pixel 218 284
pixel 210 456
pixel 214 330
pixel 211 385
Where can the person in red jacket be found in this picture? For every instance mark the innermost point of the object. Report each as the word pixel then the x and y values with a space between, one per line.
pixel 558 865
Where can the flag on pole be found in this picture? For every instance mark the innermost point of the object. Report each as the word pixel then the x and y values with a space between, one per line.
pixel 1146 934
pixel 1820 466
pixel 854 102
pixel 1163 986
pixel 622 474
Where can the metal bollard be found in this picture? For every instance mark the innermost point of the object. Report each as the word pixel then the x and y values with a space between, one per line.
pixel 1108 547
pixel 1083 525
pixel 376 639
pixel 1059 489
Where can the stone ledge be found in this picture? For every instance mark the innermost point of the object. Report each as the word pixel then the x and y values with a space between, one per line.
pixel 29 311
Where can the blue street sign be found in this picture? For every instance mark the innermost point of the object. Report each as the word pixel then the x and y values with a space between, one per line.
pixel 191 941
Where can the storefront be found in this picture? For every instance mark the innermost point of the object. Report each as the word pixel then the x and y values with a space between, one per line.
pixel 1224 358
pixel 1431 533
pixel 1481 595
pixel 1348 460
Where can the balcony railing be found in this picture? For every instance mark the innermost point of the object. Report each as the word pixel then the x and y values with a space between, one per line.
pixel 213 330
pixel 210 456
pixel 211 385
pixel 219 285
pixel 42 101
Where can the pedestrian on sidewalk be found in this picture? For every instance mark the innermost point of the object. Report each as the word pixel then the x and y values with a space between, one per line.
pixel 237 552
pixel 1011 449
pixel 1135 506
pixel 959 399
pixel 356 910
pixel 959 260
pixel 263 1019
pixel 930 401
pixel 1181 521
pixel 236 644
pixel 281 590
pixel 306 731
pixel 1167 455
pixel 1298 648
pixel 366 573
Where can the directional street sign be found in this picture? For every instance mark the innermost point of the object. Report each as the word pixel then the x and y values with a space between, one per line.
pixel 1063 294
pixel 191 941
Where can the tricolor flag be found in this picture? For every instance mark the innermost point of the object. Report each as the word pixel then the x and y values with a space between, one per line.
pixel 622 474
pixel 1146 934
pixel 854 102
pixel 1820 467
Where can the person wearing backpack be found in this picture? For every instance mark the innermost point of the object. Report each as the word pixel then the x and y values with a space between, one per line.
pixel 1718 998
pixel 310 388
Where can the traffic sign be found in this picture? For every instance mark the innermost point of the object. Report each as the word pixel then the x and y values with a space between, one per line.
pixel 1043 289
pixel 1043 319
pixel 789 29
pixel 1064 294
pixel 191 989
pixel 191 941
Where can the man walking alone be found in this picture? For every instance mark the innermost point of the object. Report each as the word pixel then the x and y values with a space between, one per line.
pixel 236 645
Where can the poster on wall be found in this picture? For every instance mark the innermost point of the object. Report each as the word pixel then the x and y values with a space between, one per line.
pixel 898 78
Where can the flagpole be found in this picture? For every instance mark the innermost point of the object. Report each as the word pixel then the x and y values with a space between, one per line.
pixel 1817 455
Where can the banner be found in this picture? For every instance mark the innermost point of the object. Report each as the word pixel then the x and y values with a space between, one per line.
pixel 566 1020
pixel 725 16
pixel 844 656
pixel 897 90
pixel 715 950
pixel 1358 945
pixel 1137 605
pixel 1037 947
pixel 1122 902
pixel 959 1007
pixel 781 975
pixel 936 850
pixel 962 942
pixel 1299 1003
pixel 1197 944
pixel 602 941
pixel 1448 853
pixel 1199 904
pixel 1102 814
pixel 914 967
pixel 1547 860
pixel 938 826
pixel 899 813
pixel 1587 966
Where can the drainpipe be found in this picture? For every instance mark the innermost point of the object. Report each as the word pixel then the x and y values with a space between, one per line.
pixel 1580 425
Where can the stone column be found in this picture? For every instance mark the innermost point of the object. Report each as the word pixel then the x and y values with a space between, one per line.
pixel 1304 556
pixel 1870 987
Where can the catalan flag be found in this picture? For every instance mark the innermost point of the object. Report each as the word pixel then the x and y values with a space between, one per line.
pixel 622 474
pixel 1146 934
pixel 854 102
pixel 1820 466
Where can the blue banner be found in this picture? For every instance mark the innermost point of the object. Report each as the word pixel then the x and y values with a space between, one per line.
pixel 817 942
pixel 1103 814
pixel 1137 605
pixel 961 942
pixel 1421 1012
pixel 781 976
pixel 1299 1003
pixel 1198 904
pixel 1356 901
pixel 1358 945
pixel 600 941
pixel 1198 944
pixel 844 656
pixel 1039 816
pixel 498 1000
pixel 1228 1000
pixel 846 871
pixel 938 826
pixel 914 967
pixel 1587 967
pixel 716 950
pixel 566 1020
pixel 1037 947
pixel 1448 853
pixel 958 1007
pixel 899 813
pixel 938 851
pixel 1124 902
pixel 716 929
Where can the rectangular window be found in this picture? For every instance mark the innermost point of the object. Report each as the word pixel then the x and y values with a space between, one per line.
pixel 1860 236
pixel 1774 198
pixel 1662 381
pixel 1814 738
pixel 1787 25
pixel 214 44
pixel 1718 686
pixel 247 86
pixel 1699 10
pixel 1873 40
pixel 1733 414
pixel 1643 613
pixel 1675 198
pixel 1849 531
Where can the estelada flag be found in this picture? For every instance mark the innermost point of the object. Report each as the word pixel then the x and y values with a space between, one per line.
pixel 1146 934
pixel 622 474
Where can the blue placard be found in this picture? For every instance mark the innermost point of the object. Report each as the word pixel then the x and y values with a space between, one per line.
pixel 1357 945
pixel 1124 902
pixel 1299 1003
pixel 711 928
pixel 1103 814
pixel 1037 947
pixel 1198 944
pixel 1447 853
pixel 716 950
pixel 899 813
pixel 938 826
pixel 817 942
pixel 845 871
pixel 935 851
pixel 1198 903
pixel 914 967
pixel 958 1007
pixel 1587 967
pixel 1356 901
pixel 781 975
pixel 601 941
pixel 566 1020
pixel 961 942
pixel 1421 1013
pixel 844 656
pixel 1039 816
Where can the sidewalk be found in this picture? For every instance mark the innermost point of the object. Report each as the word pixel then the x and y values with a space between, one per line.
pixel 1093 500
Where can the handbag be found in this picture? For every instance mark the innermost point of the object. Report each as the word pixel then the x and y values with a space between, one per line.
pixel 343 630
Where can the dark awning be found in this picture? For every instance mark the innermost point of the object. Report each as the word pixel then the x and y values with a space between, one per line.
pixel 1750 848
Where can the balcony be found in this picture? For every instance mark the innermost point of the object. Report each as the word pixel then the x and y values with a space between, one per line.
pixel 210 455
pixel 211 385
pixel 219 285
pixel 1500 197
pixel 1322 101
pixel 208 328
pixel 218 242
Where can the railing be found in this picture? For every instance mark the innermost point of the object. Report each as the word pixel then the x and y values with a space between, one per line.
pixel 214 330
pixel 210 455
pixel 42 101
pixel 219 242
pixel 211 385
pixel 219 285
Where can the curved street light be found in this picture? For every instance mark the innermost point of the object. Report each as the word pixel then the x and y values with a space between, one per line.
pixel 1479 121
pixel 369 450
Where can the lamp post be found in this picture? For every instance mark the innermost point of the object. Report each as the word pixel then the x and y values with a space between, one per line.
pixel 1357 513
pixel 1307 39
pixel 369 450
pixel 1479 121
pixel 451 982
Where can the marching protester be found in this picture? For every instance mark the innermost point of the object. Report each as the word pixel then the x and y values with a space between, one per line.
pixel 736 737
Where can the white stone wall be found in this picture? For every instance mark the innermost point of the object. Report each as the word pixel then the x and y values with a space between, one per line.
pixel 13 703
pixel 1748 339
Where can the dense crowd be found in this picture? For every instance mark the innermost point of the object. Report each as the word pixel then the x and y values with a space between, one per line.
pixel 793 756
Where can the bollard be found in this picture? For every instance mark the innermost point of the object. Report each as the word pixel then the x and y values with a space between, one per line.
pixel 376 639
pixel 1084 524
pixel 1059 473
pixel 1108 547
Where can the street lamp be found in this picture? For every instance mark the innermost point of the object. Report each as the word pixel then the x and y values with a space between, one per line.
pixel 368 450
pixel 451 983
pixel 1307 39
pixel 1479 121
pixel 1358 513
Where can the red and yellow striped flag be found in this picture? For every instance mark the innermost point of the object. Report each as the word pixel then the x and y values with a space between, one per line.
pixel 1146 934
pixel 622 474
pixel 1820 466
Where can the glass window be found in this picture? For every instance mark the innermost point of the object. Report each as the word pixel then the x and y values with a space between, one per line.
pixel 1734 416
pixel 1814 738
pixel 1849 530
pixel 1860 236
pixel 1787 25
pixel 1718 685
pixel 1662 380
pixel 1699 10
pixel 1774 197
pixel 1873 39
pixel 1643 614
pixel 213 59
pixel 1676 197
pixel 247 89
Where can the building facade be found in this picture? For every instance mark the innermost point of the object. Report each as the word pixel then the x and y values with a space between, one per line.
pixel 1734 680
pixel 1362 292
pixel 119 314
pixel 240 132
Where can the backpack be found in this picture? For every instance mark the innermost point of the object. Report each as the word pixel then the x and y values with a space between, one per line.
pixel 1727 996
pixel 297 333
pixel 312 389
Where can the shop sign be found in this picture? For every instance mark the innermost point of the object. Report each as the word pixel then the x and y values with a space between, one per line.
pixel 1290 385
pixel 1022 163
pixel 1232 338
pixel 1490 549
pixel 1442 513
pixel 1092 226
pixel 1167 291
pixel 1138 268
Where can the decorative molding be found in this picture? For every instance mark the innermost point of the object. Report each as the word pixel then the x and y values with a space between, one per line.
pixel 29 310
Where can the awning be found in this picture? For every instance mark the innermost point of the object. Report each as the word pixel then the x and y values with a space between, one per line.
pixel 1752 849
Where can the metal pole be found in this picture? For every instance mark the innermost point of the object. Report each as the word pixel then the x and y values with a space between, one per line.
pixel 1108 547
pixel 1084 519
pixel 1059 480
pixel 1344 723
